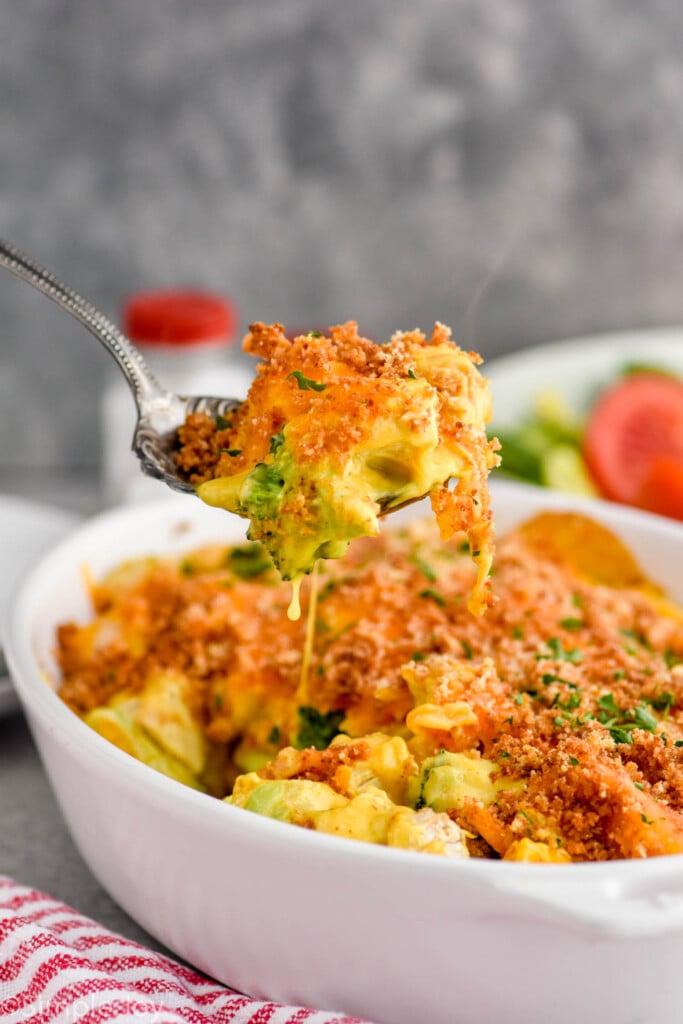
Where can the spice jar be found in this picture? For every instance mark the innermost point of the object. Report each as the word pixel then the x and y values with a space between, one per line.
pixel 187 340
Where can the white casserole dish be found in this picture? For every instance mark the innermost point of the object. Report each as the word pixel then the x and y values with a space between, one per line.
pixel 277 911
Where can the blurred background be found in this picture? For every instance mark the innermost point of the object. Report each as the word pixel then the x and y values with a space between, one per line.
pixel 511 168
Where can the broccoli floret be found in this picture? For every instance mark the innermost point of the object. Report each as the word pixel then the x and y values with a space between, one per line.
pixel 317 728
pixel 263 492
pixel 248 561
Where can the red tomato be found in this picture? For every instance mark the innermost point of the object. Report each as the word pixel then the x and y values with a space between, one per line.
pixel 631 425
pixel 662 488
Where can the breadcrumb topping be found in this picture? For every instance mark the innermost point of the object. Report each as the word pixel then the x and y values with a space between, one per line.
pixel 337 430
pixel 574 688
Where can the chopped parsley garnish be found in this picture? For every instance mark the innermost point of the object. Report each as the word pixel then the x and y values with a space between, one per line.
pixel 518 699
pixel 571 624
pixel 305 383
pixel 221 422
pixel 640 638
pixel 560 653
pixel 645 820
pixel 661 702
pixel 467 650
pixel 276 442
pixel 621 734
pixel 608 704
pixel 577 600
pixel 570 704
pixel 218 701
pixel 417 656
pixel 549 677
pixel 317 728
pixel 434 595
pixel 517 633
pixel 622 721
pixel 424 568
pixel 639 785
pixel 574 761
pixel 314 334
pixel 644 719
pixel 274 735
pixel 412 374
pixel 678 743
pixel 233 452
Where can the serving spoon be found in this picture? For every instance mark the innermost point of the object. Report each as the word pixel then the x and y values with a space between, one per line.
pixel 159 412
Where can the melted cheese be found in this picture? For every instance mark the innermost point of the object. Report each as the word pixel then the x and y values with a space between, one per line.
pixel 337 431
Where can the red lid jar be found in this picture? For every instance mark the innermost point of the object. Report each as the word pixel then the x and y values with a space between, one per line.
pixel 179 318
pixel 186 336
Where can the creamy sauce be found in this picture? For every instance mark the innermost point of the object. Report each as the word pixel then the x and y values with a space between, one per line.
pixel 294 609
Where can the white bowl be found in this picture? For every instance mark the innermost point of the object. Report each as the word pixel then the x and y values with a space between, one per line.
pixel 576 367
pixel 297 916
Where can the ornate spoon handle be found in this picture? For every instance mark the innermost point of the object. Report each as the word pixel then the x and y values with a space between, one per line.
pixel 140 379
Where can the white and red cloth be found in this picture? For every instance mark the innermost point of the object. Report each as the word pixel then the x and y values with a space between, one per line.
pixel 59 967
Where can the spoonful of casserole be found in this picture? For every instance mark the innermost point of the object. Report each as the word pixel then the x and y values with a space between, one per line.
pixel 335 432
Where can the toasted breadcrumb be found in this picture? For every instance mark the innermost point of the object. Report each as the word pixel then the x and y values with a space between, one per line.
pixel 332 395
pixel 576 687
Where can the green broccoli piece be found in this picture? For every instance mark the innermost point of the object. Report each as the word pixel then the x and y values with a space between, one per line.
pixel 317 728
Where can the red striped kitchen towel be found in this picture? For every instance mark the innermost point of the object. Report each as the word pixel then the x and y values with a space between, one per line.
pixel 58 967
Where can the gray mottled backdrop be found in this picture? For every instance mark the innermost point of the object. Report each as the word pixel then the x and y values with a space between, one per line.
pixel 512 167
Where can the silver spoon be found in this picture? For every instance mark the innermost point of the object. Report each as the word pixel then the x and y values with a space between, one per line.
pixel 160 412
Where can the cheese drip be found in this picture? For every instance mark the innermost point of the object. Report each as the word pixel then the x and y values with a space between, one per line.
pixel 294 609
pixel 309 637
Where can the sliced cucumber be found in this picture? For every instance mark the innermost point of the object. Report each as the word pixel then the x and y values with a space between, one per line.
pixel 563 469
